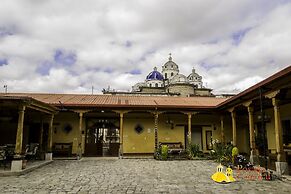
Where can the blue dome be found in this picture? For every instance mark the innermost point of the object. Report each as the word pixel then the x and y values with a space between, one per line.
pixel 155 75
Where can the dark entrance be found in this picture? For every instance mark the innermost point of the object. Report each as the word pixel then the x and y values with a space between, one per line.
pixel 196 135
pixel 102 138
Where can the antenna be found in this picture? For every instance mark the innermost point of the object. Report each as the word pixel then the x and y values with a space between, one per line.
pixel 5 88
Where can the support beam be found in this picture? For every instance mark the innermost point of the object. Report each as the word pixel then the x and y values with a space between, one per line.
pixel 254 152
pixel 278 132
pixel 16 164
pixel 41 135
pixel 19 135
pixel 80 135
pixel 49 155
pixel 189 135
pixel 281 164
pixel 121 130
pixel 233 119
pixel 121 114
pixel 222 135
pixel 156 116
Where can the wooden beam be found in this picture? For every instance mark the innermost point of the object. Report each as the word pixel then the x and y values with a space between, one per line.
pixel 272 94
pixel 278 132
pixel 19 134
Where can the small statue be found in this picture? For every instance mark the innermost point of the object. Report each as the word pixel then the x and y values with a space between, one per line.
pixel 229 174
pixel 220 177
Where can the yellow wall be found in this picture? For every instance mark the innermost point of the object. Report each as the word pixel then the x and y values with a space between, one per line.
pixel 270 126
pixel 143 142
pixel 242 131
pixel 60 136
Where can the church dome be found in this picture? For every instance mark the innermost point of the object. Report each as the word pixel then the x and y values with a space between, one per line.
pixel 155 75
pixel 179 78
pixel 170 65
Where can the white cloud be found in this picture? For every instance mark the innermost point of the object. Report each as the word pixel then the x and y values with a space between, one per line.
pixel 111 38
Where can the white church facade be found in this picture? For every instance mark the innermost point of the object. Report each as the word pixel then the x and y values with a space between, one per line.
pixel 169 82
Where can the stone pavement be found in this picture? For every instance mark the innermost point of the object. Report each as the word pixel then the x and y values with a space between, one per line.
pixel 132 176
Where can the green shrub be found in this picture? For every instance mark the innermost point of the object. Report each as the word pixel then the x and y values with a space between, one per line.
pixel 157 154
pixel 193 151
pixel 222 153
pixel 164 152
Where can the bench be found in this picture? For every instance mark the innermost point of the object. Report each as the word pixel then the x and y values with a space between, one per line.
pixel 63 149
pixel 3 159
pixel 173 147
pixel 31 151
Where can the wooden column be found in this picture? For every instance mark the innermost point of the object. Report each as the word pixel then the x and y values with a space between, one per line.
pixel 50 134
pixel 41 135
pixel 222 136
pixel 233 119
pixel 80 134
pixel 156 115
pixel 189 135
pixel 251 130
pixel 121 114
pixel 19 134
pixel 278 132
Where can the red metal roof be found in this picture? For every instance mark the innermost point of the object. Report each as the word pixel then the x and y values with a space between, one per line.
pixel 122 101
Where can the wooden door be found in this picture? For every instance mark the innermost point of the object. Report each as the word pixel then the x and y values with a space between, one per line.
pixel 93 146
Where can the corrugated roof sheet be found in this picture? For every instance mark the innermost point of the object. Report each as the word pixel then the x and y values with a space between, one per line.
pixel 120 101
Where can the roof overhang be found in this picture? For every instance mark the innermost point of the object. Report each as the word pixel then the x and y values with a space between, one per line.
pixel 279 80
pixel 29 102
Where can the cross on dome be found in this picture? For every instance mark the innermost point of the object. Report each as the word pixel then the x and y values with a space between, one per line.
pixel 170 56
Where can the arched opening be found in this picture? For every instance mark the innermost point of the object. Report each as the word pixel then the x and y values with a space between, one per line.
pixel 157 85
pixel 166 76
pixel 102 134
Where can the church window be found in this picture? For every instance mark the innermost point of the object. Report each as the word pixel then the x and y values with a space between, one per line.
pixel 157 85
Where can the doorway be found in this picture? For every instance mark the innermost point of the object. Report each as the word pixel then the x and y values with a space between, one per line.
pixel 102 139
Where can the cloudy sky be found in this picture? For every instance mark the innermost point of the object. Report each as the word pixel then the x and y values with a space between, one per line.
pixel 69 46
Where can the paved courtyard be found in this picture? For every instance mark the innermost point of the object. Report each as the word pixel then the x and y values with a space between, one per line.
pixel 131 176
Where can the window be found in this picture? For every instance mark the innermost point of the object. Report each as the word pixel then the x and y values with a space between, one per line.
pixel 157 85
pixel 172 74
pixel 138 128
pixel 150 85
pixel 166 75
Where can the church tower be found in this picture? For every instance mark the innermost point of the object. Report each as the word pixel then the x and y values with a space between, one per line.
pixel 170 69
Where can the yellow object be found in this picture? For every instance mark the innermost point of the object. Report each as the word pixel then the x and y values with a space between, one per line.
pixel 234 151
pixel 220 177
pixel 229 174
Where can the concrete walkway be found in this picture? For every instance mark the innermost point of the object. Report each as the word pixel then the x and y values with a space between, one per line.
pixel 132 176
